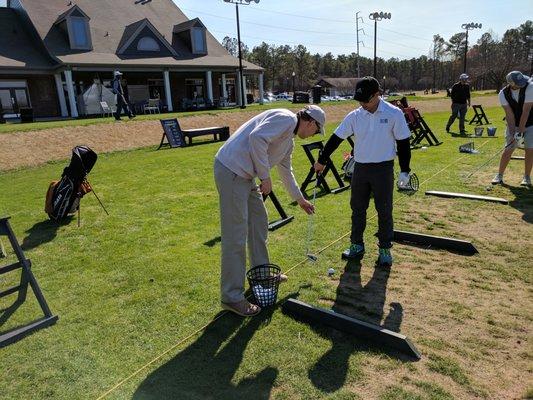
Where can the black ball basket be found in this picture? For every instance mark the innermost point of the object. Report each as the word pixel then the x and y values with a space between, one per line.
pixel 264 282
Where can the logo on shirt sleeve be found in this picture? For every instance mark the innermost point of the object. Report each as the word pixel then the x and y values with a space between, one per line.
pixel 383 120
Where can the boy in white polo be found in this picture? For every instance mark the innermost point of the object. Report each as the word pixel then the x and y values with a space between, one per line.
pixel 516 99
pixel 265 141
pixel 380 130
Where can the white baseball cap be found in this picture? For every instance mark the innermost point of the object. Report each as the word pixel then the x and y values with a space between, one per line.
pixel 118 73
pixel 463 77
pixel 318 115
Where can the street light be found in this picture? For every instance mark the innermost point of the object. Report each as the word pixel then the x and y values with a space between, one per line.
pixel 377 16
pixel 468 27
pixel 241 2
pixel 293 76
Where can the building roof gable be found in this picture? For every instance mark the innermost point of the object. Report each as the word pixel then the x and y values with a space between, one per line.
pixel 134 30
pixel 74 11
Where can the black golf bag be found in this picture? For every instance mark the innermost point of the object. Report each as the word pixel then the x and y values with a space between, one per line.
pixel 63 197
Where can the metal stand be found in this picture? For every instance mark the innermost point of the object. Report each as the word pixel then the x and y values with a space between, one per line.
pixel 420 129
pixel 284 220
pixel 311 176
pixel 479 116
pixel 27 278
pixel 360 329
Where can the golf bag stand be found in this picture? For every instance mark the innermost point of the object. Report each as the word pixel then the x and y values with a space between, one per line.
pixel 284 220
pixel 311 175
pixel 27 279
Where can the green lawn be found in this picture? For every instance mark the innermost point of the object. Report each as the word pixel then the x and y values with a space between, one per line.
pixel 131 288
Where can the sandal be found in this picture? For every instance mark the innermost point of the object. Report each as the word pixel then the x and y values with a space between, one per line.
pixel 243 308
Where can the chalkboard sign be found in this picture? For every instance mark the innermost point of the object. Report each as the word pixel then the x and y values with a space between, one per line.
pixel 173 133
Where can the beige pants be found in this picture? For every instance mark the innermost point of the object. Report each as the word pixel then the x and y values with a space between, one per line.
pixel 243 219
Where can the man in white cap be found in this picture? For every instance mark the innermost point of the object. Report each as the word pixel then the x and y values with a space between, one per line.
pixel 121 100
pixel 516 99
pixel 265 141
pixel 460 102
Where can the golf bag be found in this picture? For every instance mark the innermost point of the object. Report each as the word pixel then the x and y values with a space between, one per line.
pixel 63 197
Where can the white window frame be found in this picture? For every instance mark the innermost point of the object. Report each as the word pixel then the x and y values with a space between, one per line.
pixel 71 36
pixel 193 42
pixel 148 40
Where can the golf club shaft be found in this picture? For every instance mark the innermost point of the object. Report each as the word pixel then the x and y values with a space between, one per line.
pixel 490 159
pixel 311 219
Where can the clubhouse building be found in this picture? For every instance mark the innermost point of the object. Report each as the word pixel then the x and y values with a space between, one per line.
pixel 57 57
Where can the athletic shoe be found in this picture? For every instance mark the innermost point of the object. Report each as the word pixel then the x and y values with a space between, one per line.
pixel 384 258
pixel 464 132
pixel 497 180
pixel 354 251
pixel 526 181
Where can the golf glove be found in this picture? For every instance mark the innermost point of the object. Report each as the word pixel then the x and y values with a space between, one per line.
pixel 519 139
pixel 403 179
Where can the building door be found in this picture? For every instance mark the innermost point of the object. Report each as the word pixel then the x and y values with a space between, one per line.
pixel 12 99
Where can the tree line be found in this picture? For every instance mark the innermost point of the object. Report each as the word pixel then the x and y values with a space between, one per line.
pixel 488 61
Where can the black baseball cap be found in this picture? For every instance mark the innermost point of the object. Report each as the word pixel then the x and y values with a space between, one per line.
pixel 365 88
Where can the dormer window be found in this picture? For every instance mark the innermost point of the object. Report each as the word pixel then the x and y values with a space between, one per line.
pixel 75 23
pixel 193 34
pixel 148 44
pixel 79 33
pixel 198 40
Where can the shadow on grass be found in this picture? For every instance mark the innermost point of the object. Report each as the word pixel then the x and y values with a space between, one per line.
pixel 43 232
pixel 213 242
pixel 206 369
pixel 523 201
pixel 361 302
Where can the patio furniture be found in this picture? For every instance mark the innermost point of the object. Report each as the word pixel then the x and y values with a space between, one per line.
pixel 152 107
pixel 106 110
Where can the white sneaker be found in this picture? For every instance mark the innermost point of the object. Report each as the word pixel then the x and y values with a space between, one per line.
pixel 526 181
pixel 497 180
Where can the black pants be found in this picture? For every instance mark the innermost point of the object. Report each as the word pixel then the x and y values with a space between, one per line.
pixel 376 178
pixel 121 104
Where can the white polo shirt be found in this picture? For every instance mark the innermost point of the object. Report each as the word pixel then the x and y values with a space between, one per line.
pixel 528 98
pixel 375 133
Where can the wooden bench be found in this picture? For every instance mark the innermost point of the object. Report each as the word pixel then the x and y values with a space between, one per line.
pixel 176 136
pixel 219 133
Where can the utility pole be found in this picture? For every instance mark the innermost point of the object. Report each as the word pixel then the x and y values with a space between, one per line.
pixel 468 27
pixel 357 18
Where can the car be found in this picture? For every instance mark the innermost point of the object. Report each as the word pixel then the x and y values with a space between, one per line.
pixel 284 97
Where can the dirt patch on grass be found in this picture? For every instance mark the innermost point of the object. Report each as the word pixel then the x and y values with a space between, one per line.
pixel 474 336
pixel 25 149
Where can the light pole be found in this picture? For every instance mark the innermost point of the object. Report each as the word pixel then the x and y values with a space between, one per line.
pixel 377 16
pixel 468 27
pixel 293 76
pixel 241 2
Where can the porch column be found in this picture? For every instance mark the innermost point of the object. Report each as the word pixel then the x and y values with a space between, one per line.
pixel 61 95
pixel 71 95
pixel 238 89
pixel 244 89
pixel 168 93
pixel 261 91
pixel 224 89
pixel 209 81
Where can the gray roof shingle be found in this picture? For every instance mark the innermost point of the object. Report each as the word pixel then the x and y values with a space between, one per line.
pixel 108 21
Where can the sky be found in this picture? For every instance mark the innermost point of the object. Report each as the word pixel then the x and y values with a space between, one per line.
pixel 329 26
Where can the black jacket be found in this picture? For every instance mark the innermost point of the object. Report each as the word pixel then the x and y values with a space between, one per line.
pixel 460 93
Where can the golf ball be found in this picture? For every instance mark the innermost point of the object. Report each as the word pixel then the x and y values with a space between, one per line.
pixel 331 271
pixel 424 148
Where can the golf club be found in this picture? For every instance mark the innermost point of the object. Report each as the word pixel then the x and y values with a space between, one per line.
pixel 312 257
pixel 490 159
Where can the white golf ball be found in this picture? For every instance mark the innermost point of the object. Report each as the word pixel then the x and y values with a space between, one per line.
pixel 331 271
pixel 424 148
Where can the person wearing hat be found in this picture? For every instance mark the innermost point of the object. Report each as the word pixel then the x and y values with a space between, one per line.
pixel 265 141
pixel 380 131
pixel 460 95
pixel 121 100
pixel 516 99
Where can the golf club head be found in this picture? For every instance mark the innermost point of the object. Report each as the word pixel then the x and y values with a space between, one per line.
pixel 311 257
